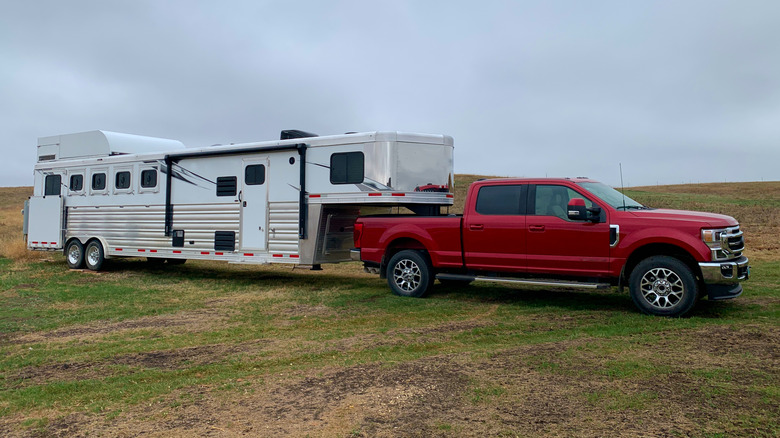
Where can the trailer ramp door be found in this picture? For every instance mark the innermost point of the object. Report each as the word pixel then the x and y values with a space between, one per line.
pixel 45 223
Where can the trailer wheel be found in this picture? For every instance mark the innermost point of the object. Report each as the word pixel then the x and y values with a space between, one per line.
pixel 409 274
pixel 174 262
pixel 74 254
pixel 94 255
pixel 663 286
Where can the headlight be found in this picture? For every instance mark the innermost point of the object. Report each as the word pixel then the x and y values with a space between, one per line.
pixel 713 238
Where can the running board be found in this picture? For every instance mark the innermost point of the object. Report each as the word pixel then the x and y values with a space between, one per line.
pixel 536 282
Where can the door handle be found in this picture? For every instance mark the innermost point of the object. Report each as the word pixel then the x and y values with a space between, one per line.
pixel 536 228
pixel 476 227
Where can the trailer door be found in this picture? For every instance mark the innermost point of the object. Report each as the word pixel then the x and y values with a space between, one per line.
pixel 45 222
pixel 254 204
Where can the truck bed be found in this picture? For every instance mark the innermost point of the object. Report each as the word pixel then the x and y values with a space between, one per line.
pixel 440 235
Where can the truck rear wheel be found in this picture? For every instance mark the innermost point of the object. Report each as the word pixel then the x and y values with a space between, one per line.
pixel 409 274
pixel 663 286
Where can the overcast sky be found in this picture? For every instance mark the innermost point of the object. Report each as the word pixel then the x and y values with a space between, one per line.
pixel 677 91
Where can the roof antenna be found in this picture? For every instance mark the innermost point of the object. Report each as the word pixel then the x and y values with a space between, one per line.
pixel 622 188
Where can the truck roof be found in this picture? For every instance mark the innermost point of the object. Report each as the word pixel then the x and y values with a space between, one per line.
pixel 536 180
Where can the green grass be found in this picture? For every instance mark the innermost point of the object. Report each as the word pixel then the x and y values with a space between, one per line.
pixel 105 344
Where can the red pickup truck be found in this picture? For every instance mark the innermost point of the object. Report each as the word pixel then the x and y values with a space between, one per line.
pixel 560 232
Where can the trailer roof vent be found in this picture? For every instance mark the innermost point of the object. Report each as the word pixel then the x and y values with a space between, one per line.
pixel 294 133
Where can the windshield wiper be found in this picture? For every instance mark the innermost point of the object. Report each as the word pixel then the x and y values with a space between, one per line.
pixel 632 207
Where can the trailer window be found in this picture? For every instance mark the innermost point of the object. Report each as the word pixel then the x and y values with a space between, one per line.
pixel 347 168
pixel 76 183
pixel 122 180
pixel 254 175
pixel 52 184
pixel 149 178
pixel 501 200
pixel 226 186
pixel 99 181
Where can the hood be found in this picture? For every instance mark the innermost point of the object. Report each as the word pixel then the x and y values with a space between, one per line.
pixel 706 219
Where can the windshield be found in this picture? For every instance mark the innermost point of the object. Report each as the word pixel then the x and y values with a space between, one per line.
pixel 611 196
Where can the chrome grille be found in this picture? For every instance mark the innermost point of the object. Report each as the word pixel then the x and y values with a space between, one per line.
pixel 733 241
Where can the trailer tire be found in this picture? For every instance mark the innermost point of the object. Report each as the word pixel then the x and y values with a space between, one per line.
pixel 74 254
pixel 409 274
pixel 174 262
pixel 663 286
pixel 94 256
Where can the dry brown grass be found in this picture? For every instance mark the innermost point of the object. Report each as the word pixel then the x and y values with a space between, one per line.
pixel 12 245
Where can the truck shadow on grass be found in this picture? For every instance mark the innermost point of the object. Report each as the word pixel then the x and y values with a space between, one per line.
pixel 370 288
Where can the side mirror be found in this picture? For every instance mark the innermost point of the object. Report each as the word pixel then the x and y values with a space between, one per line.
pixel 577 210
pixel 594 214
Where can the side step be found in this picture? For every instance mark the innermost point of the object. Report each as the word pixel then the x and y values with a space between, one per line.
pixel 536 282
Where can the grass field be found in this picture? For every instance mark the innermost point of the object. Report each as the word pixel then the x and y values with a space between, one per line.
pixel 210 349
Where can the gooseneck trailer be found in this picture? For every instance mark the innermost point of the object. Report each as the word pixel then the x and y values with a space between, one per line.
pixel 100 194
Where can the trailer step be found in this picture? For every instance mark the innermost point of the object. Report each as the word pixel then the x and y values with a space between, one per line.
pixel 530 281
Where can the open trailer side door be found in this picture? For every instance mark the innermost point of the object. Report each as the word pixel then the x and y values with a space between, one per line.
pixel 45 227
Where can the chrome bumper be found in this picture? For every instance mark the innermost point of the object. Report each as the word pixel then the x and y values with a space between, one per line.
pixel 354 254
pixel 726 272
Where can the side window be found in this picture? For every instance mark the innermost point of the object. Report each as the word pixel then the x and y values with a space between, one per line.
pixel 76 183
pixel 501 200
pixel 254 174
pixel 227 186
pixel 52 185
pixel 99 181
pixel 347 168
pixel 149 178
pixel 122 180
pixel 552 200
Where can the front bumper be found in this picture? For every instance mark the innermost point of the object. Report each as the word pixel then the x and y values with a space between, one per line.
pixel 721 279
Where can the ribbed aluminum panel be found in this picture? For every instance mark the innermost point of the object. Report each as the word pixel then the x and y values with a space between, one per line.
pixel 283 227
pixel 144 226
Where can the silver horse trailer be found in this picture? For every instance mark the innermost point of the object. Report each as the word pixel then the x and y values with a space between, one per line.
pixel 100 195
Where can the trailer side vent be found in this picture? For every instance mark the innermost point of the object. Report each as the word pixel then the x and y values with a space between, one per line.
pixel 294 133
pixel 227 186
pixel 225 240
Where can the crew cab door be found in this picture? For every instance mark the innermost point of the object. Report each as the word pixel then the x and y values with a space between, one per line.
pixel 494 228
pixel 559 245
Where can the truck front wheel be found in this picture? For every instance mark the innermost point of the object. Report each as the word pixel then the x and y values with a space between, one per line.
pixel 409 274
pixel 663 286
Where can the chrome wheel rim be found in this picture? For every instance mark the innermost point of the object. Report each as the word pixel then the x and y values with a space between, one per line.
pixel 407 275
pixel 74 255
pixel 93 255
pixel 662 288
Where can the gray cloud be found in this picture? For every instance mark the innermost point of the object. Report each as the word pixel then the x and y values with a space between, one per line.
pixel 676 91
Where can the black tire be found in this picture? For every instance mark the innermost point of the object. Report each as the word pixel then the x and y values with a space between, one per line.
pixel 175 262
pixel 409 274
pixel 454 284
pixel 94 256
pixel 74 254
pixel 663 286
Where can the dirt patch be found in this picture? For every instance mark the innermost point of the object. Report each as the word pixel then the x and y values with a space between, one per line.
pixel 180 358
pixel 187 321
